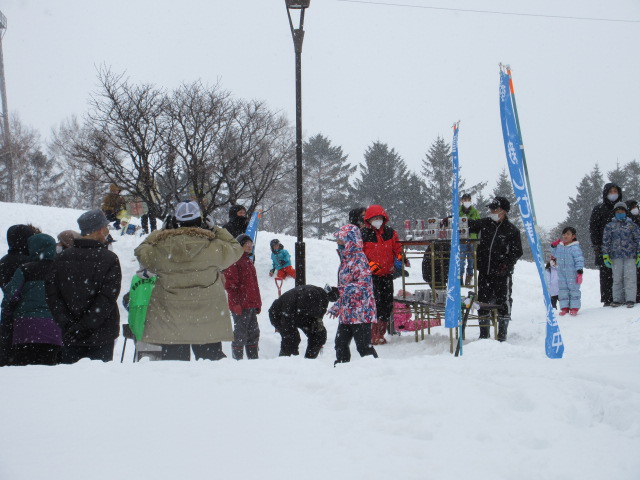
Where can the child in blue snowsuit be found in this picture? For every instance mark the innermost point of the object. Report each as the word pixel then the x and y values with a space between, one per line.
pixel 570 267
pixel 281 261
pixel 621 253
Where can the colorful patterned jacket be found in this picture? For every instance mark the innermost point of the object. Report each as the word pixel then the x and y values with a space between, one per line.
pixel 356 303
pixel 621 239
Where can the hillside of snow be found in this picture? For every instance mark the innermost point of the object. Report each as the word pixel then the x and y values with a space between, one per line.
pixel 500 411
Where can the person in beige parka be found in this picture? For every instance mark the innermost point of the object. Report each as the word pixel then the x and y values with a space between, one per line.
pixel 188 307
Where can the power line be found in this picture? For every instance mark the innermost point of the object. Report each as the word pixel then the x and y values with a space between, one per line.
pixel 492 12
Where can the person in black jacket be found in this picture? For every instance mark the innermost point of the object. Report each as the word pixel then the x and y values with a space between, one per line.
pixel 18 254
pixel 499 249
pixel 238 220
pixel 602 214
pixel 82 293
pixel 302 308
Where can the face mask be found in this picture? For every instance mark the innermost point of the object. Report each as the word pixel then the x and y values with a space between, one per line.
pixel 494 216
pixel 59 248
pixel 376 224
pixel 340 247
pixel 466 204
pixel 612 197
pixel 635 211
pixel 621 216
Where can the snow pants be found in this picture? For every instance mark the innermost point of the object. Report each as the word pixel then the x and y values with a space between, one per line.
pixel 246 331
pixel 313 328
pixel 72 353
pixel 285 272
pixel 361 333
pixel 36 354
pixel 383 294
pixel 568 290
pixel 495 289
pixel 624 279
pixel 606 279
pixel 182 352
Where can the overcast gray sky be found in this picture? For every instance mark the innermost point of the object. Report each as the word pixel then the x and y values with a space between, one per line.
pixel 398 74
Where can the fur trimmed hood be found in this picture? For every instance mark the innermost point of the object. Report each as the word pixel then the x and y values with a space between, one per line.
pixel 181 245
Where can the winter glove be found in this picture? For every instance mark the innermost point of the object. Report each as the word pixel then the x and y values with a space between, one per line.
pixel 503 270
pixel 638 260
pixel 236 309
pixel 209 222
pixel 258 310
pixel 271 272
pixel 375 267
pixel 579 278
pixel 556 242
pixel 607 260
pixel 281 262
pixel 397 264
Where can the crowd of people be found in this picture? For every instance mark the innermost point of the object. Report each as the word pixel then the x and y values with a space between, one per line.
pixel 198 287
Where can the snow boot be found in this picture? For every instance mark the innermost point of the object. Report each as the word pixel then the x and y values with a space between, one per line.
pixel 630 304
pixel 485 328
pixel 252 352
pixel 503 325
pixel 563 312
pixel 573 311
pixel 237 353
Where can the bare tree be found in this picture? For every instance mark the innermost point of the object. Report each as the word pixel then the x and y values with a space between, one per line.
pixel 83 181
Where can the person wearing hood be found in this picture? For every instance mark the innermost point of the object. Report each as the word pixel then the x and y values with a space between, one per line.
pixel 302 307
pixel 17 237
pixel 382 248
pixel 37 339
pixel 188 307
pixel 356 306
pixel 238 221
pixel 621 254
pixel 601 215
pixel 499 249
pixel 634 215
pixel 570 265
pixel 82 293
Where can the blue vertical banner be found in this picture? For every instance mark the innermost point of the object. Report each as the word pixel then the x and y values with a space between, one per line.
pixel 554 346
pixel 452 308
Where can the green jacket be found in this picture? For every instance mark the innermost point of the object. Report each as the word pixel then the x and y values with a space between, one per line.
pixel 471 214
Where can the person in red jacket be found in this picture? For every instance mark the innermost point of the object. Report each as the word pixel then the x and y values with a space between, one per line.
pixel 241 284
pixel 382 248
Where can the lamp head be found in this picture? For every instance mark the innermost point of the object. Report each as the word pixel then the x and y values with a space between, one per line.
pixel 298 4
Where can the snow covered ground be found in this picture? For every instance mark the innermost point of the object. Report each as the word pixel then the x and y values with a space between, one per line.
pixel 501 411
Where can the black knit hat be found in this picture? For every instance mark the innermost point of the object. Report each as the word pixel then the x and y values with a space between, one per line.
pixel 243 238
pixel 356 216
pixel 500 202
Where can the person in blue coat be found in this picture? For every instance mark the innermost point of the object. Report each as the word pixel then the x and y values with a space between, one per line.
pixel 281 261
pixel 570 263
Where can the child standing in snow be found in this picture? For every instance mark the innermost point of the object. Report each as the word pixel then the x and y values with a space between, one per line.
pixel 281 261
pixel 570 267
pixel 620 252
pixel 356 307
pixel 551 276
pixel 241 284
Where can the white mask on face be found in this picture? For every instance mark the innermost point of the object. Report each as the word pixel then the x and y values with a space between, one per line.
pixel 612 197
pixel 59 249
pixel 635 211
pixel 376 224
pixel 466 204
pixel 494 216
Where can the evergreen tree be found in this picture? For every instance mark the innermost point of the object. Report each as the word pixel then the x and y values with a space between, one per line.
pixel 618 177
pixel 437 169
pixel 381 175
pixel 43 183
pixel 631 190
pixel 413 202
pixel 326 185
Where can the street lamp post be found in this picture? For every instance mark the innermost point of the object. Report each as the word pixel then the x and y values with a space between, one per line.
pixel 298 36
